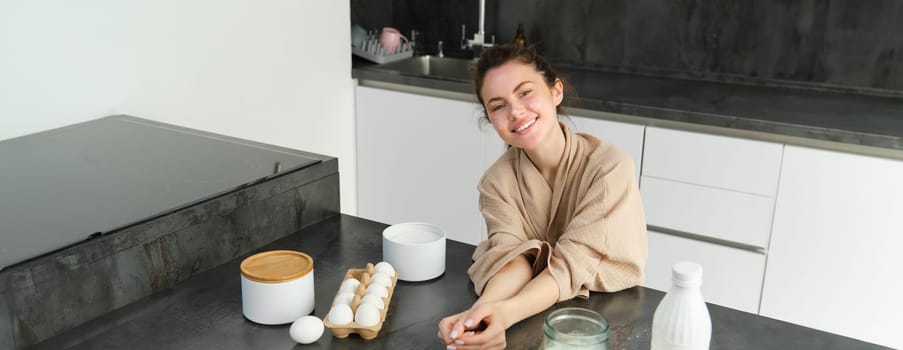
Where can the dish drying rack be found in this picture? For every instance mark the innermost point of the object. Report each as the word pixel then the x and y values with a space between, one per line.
pixel 373 51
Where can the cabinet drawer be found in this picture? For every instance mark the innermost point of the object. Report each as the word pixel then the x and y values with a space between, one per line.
pixel 730 277
pixel 710 160
pixel 726 215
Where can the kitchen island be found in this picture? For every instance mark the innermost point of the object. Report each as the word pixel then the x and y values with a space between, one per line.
pixel 100 214
pixel 204 312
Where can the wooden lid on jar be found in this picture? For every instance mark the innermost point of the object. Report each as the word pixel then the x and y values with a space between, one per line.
pixel 277 266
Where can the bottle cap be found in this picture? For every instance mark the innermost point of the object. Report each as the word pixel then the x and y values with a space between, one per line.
pixel 687 274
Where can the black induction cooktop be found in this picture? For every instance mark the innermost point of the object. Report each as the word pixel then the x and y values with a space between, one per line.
pixel 63 186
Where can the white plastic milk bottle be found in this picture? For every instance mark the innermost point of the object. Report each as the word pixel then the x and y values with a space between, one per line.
pixel 681 320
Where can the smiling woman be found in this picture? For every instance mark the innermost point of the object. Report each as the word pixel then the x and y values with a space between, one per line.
pixel 522 109
pixel 562 210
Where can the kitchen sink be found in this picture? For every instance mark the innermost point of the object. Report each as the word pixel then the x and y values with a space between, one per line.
pixel 432 67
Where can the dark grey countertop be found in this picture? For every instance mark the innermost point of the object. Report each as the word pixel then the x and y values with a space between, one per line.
pixel 91 178
pixel 807 113
pixel 204 312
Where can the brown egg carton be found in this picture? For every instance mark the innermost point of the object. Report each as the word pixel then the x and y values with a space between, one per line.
pixel 362 275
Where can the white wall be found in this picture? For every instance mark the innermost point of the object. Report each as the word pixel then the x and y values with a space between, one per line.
pixel 274 71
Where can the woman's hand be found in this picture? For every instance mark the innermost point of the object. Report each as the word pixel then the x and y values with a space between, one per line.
pixel 481 327
pixel 446 325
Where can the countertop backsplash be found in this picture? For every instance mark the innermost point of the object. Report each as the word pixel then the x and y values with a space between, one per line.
pixel 844 46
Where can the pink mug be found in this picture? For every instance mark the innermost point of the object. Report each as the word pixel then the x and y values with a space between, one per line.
pixel 390 39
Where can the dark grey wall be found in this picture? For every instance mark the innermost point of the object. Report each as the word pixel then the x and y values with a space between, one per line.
pixel 848 43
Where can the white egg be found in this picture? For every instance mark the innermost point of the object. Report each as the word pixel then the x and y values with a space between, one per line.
pixel 374 300
pixel 378 290
pixel 379 283
pixel 385 267
pixel 381 278
pixel 343 298
pixel 349 285
pixel 340 314
pixel 306 330
pixel 367 315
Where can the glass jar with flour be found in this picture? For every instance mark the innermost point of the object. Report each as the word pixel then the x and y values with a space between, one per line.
pixel 575 328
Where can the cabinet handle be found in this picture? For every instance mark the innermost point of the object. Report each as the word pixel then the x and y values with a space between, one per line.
pixel 707 239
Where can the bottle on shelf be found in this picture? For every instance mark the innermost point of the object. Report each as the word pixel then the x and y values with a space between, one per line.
pixel 519 37
pixel 681 320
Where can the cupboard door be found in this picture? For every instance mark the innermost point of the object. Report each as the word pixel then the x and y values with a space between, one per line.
pixel 712 212
pixel 834 263
pixel 730 277
pixel 716 161
pixel 418 159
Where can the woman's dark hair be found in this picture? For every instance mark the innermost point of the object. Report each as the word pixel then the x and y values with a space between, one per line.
pixel 498 55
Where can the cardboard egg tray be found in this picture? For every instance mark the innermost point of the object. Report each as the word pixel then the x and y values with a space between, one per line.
pixel 362 275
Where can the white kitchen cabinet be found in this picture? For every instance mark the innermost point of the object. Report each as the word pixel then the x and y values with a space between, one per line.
pixel 419 159
pixel 713 198
pixel 828 224
pixel 731 216
pixel 730 277
pixel 834 263
pixel 711 160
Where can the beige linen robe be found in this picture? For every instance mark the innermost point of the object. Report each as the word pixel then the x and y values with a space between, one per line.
pixel 588 229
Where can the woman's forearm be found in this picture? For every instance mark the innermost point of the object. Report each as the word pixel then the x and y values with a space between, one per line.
pixel 540 293
pixel 508 281
pixel 498 315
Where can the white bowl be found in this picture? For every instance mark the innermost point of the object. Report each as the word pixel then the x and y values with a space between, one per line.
pixel 415 249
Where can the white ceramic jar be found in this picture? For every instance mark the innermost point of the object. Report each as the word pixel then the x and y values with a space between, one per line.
pixel 277 287
pixel 416 250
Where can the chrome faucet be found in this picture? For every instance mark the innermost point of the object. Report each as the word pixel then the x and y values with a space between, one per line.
pixel 479 38
pixel 439 52
pixel 464 41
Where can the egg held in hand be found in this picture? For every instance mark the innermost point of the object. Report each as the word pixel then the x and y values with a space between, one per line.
pixel 306 330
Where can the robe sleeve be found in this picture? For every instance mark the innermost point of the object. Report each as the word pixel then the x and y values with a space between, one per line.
pixel 604 245
pixel 507 235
